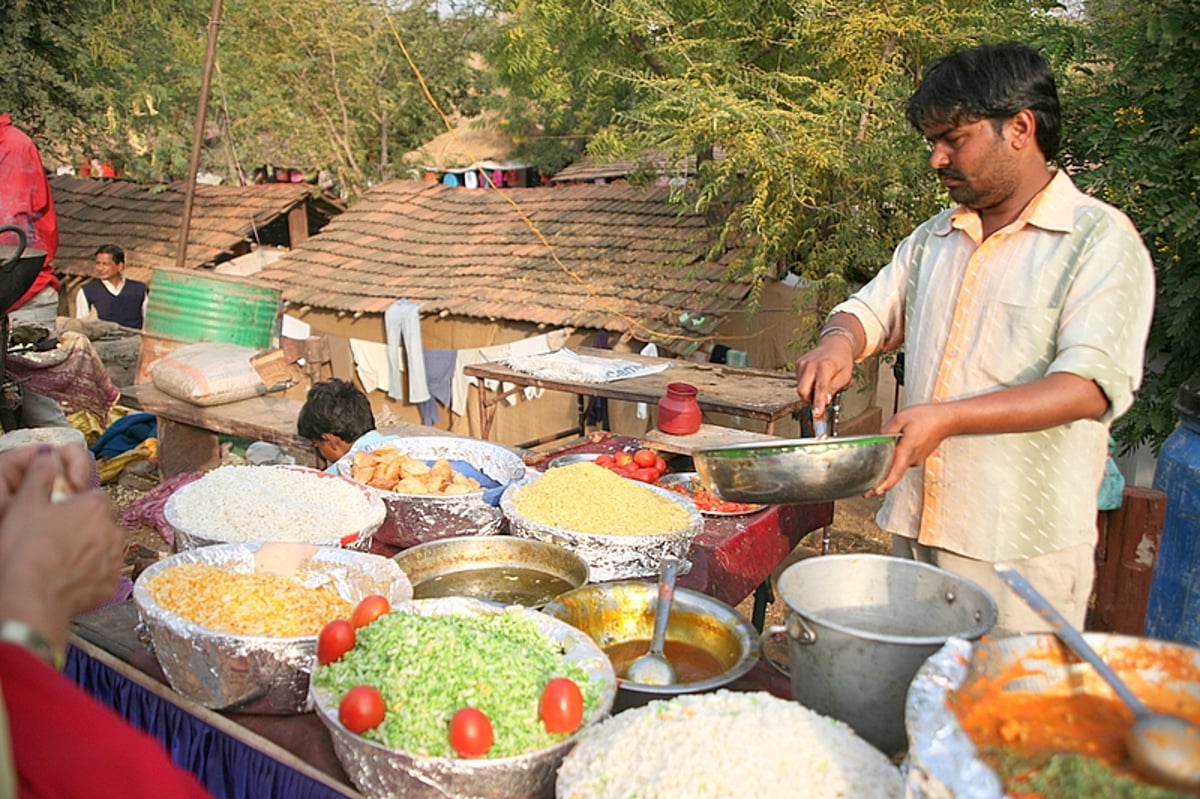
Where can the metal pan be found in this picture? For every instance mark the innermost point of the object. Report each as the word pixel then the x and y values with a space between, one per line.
pixel 797 470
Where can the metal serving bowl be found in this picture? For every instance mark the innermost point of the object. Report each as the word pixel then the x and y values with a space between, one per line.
pixel 797 470
pixel 256 673
pixel 617 612
pixel 378 771
pixel 500 568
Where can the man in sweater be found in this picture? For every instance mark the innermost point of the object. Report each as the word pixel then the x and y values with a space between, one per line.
pixel 112 296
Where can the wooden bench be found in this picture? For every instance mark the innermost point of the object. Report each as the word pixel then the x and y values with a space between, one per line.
pixel 188 435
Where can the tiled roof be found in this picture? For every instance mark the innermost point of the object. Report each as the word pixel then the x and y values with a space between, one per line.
pixel 144 220
pixel 627 259
pixel 656 162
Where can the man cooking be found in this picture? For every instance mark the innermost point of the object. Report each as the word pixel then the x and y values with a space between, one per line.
pixel 1024 313
pixel 112 296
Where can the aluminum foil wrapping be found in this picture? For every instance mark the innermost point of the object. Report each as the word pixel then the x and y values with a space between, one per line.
pixel 190 537
pixel 256 674
pixel 612 557
pixel 941 762
pixel 378 771
pixel 416 518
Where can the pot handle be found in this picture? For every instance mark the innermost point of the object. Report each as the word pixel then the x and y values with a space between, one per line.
pixel 20 246
pixel 796 630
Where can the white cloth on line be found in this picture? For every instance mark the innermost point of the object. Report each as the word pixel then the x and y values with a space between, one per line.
pixel 567 365
pixel 546 342
pixel 402 326
pixel 371 363
pixel 650 350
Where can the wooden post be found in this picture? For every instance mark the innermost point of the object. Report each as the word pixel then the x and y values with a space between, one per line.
pixel 1125 557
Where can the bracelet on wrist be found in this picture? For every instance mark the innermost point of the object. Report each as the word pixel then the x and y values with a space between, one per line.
pixel 844 332
pixel 21 634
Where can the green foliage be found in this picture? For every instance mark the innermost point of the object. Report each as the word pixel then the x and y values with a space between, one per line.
pixel 1136 131
pixel 802 100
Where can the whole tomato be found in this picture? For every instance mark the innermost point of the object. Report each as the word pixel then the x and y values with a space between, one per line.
pixel 645 474
pixel 604 459
pixel 370 609
pixel 622 459
pixel 660 466
pixel 471 732
pixel 362 708
pixel 334 640
pixel 645 457
pixel 562 706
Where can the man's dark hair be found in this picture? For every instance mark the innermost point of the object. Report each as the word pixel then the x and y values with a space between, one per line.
pixel 118 255
pixel 337 407
pixel 990 82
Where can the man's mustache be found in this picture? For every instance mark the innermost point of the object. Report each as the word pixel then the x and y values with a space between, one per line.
pixel 946 172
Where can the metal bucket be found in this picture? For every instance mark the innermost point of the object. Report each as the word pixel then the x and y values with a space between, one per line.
pixel 190 305
pixel 859 627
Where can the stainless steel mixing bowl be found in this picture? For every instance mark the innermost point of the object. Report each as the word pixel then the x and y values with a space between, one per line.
pixel 796 470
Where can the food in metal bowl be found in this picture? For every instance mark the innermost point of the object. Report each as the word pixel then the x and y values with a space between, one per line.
pixel 621 528
pixel 709 643
pixel 256 504
pixel 726 743
pixel 439 657
pixel 500 568
pixel 709 504
pixel 243 641
pixel 1021 716
pixel 797 470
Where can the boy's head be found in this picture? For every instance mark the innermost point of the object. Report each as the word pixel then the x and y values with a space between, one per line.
pixel 334 416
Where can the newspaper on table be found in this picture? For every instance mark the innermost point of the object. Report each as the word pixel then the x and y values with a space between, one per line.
pixel 568 365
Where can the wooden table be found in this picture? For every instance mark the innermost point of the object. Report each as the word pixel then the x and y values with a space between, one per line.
pixel 753 393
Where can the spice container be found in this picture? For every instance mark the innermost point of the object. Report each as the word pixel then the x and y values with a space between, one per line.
pixel 678 412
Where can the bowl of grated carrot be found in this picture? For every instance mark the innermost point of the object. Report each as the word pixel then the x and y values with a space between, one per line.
pixel 234 626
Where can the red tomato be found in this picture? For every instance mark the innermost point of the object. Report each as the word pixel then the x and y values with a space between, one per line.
pixel 334 640
pixel 645 457
pixel 562 706
pixel 622 459
pixel 604 459
pixel 362 708
pixel 660 466
pixel 471 732
pixel 369 610
pixel 646 474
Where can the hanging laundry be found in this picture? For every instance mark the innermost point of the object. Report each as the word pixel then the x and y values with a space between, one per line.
pixel 402 326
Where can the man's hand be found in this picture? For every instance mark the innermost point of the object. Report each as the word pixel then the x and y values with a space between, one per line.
pixel 829 367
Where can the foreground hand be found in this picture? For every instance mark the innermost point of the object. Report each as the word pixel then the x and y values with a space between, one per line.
pixel 922 429
pixel 824 371
pixel 57 559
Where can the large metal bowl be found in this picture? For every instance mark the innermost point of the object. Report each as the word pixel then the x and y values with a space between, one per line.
pixel 943 760
pixel 797 470
pixel 499 568
pixel 256 673
pixel 616 612
pixel 380 771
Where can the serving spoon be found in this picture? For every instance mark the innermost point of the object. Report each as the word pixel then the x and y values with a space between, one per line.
pixel 1164 748
pixel 653 668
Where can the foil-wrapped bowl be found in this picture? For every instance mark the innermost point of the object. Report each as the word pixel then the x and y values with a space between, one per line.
pixel 266 508
pixel 380 771
pixel 416 518
pixel 249 673
pixel 942 761
pixel 612 557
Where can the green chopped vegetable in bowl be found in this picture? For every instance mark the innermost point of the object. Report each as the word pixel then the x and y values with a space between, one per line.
pixel 446 654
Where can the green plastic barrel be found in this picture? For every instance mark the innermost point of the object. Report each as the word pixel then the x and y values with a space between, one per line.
pixel 190 305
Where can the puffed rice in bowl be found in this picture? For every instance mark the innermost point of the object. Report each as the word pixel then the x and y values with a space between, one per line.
pixel 727 744
pixel 622 528
pixel 234 626
pixel 255 504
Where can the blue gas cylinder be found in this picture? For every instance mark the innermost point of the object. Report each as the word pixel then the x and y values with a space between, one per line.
pixel 1173 609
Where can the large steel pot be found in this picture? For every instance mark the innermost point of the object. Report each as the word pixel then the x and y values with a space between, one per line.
pixel 860 626
pixel 19 267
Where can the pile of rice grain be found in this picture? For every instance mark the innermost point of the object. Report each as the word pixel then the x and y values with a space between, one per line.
pixel 587 498
pixel 267 503
pixel 725 744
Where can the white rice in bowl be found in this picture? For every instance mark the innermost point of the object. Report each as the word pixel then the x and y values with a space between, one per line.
pixel 253 504
pixel 725 744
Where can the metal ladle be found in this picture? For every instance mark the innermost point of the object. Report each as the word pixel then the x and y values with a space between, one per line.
pixel 1163 747
pixel 653 668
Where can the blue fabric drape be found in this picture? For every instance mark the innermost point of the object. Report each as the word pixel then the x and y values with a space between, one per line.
pixel 227 767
